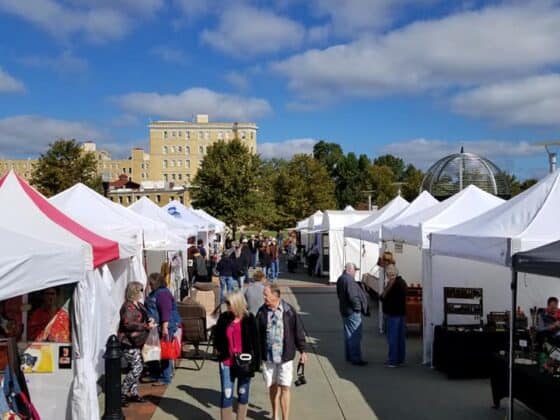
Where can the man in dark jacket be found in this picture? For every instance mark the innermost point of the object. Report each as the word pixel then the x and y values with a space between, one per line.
pixel 226 268
pixel 281 333
pixel 253 245
pixel 353 303
pixel 394 309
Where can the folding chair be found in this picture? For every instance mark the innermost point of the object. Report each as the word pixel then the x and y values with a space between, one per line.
pixel 193 319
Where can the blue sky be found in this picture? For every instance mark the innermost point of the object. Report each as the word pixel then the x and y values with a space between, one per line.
pixel 417 78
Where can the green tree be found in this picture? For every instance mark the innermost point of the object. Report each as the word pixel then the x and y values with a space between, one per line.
pixel 396 164
pixel 64 164
pixel 384 189
pixel 302 186
pixel 412 181
pixel 349 182
pixel 330 155
pixel 227 183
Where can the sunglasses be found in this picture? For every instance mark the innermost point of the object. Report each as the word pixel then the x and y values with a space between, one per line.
pixel 227 302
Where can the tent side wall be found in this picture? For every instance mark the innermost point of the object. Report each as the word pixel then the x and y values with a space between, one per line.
pixel 409 261
pixel 336 254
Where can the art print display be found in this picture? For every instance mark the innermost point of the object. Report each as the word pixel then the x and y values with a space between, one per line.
pixel 38 358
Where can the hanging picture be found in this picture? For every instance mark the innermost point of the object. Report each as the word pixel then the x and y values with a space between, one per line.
pixel 65 357
pixel 38 358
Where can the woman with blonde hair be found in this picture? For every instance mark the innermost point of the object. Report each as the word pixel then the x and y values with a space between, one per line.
pixel 237 344
pixel 133 331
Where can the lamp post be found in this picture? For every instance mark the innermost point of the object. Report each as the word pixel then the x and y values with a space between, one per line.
pixel 552 155
pixel 369 193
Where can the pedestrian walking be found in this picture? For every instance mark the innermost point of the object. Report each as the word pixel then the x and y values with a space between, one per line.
pixel 253 245
pixel 134 327
pixel 394 310
pixel 236 338
pixel 254 292
pixel 274 253
pixel 200 273
pixel 264 257
pixel 292 255
pixel 281 333
pixel 162 308
pixel 226 268
pixel 352 303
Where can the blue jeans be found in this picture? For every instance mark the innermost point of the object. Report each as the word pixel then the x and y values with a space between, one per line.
pixel 227 285
pixel 396 338
pixel 273 272
pixel 240 281
pixel 353 337
pixel 227 380
pixel 253 259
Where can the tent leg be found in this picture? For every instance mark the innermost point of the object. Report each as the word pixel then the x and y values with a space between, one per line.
pixel 381 287
pixel 511 336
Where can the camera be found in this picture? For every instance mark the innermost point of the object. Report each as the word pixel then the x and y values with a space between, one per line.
pixel 300 375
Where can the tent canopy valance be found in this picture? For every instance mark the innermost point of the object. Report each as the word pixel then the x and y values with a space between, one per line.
pixel 544 260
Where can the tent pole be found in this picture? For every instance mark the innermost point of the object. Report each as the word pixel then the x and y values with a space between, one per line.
pixel 511 336
pixel 381 287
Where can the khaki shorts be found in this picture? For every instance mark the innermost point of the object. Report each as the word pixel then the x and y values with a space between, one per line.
pixel 278 373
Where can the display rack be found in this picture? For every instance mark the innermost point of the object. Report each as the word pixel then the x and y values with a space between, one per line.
pixel 462 306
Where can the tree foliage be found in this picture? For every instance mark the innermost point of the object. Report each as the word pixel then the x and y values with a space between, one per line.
pixel 64 164
pixel 412 181
pixel 227 184
pixel 302 186
pixel 394 163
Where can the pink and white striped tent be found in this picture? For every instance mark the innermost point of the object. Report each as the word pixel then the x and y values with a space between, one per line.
pixel 77 255
pixel 29 213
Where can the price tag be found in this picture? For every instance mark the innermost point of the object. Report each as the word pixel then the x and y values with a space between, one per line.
pixel 523 343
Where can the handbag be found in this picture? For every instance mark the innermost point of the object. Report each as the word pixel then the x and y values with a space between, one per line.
pixel 171 350
pixel 151 350
pixel 243 365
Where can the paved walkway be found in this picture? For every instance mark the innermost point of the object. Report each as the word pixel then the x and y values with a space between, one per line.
pixel 335 390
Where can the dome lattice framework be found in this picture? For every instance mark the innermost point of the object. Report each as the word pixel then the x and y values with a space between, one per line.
pixel 452 173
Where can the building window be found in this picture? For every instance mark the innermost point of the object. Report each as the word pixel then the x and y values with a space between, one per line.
pixel 173 177
pixel 174 134
pixel 181 200
pixel 188 134
pixel 165 163
pixel 165 177
pixel 165 134
pixel 171 198
pixel 129 171
pixel 201 150
pixel 180 133
pixel 179 162
pixel 179 149
pixel 143 175
pixel 120 199
pixel 164 150
pixel 187 150
pixel 158 198
pixel 179 177
pixel 188 177
pixel 142 166
pixel 187 164
pixel 172 149
pixel 124 170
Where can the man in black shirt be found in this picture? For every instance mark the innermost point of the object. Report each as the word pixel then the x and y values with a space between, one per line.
pixel 394 309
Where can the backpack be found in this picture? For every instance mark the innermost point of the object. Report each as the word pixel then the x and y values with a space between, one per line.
pixel 152 309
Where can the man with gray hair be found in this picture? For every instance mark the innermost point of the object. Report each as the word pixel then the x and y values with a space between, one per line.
pixel 353 303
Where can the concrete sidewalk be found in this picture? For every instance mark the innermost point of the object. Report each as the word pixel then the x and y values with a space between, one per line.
pixel 335 389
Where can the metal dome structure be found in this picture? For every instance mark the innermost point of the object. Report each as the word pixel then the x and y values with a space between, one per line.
pixel 452 173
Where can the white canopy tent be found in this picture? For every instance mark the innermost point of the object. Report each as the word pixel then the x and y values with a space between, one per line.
pixel 409 258
pixel 179 232
pixel 88 206
pixel 188 216
pixel 30 215
pixel 485 244
pixel 415 230
pixel 368 252
pixel 219 226
pixel 332 239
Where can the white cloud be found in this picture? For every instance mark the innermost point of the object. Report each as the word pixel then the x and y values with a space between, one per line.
pixel 247 31
pixel 458 50
pixel 31 134
pixel 8 84
pixel 286 149
pixel 237 80
pixel 530 101
pixel 424 152
pixel 196 8
pixel 64 63
pixel 125 120
pixel 194 101
pixel 97 21
pixel 169 54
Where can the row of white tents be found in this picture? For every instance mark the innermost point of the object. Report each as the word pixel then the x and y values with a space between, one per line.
pixel 467 240
pixel 79 237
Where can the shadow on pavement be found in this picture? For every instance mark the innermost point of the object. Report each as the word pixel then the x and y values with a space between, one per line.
pixel 179 408
pixel 211 398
